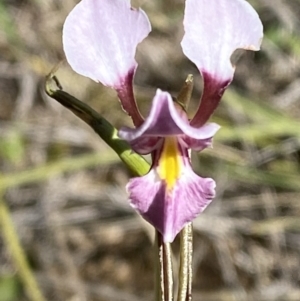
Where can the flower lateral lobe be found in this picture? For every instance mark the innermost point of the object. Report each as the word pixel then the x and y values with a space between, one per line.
pixel 100 38
pixel 214 29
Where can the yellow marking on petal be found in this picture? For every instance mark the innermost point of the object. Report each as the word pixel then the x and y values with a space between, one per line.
pixel 169 166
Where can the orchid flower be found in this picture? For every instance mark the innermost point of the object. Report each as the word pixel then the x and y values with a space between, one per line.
pixel 100 39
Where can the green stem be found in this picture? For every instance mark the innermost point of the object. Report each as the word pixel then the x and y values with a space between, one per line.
pixel 190 262
pixel 136 163
pixel 185 270
pixel 18 256
pixel 168 270
pixel 164 285
pixel 159 275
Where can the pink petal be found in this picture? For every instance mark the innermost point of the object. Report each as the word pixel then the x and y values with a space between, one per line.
pixel 100 39
pixel 195 144
pixel 170 212
pixel 213 30
pixel 165 120
pixel 213 91
pixel 146 145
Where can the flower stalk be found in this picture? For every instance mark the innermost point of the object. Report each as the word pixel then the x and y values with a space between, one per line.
pixel 164 282
pixel 185 269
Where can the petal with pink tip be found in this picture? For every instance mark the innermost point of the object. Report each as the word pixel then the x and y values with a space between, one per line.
pixel 169 212
pixel 214 29
pixel 100 39
pixel 165 120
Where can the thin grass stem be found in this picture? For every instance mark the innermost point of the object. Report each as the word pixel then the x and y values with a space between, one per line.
pixel 18 255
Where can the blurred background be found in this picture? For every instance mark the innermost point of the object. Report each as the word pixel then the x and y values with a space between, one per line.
pixel 65 189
